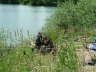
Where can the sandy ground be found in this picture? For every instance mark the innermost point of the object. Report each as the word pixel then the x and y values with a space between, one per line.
pixel 84 56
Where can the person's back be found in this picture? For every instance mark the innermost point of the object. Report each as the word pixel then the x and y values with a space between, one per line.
pixel 48 43
pixel 38 42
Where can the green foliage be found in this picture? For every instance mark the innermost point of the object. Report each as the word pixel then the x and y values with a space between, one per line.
pixel 36 2
pixel 70 20
pixel 3 38
pixel 67 57
pixel 16 61
pixel 71 17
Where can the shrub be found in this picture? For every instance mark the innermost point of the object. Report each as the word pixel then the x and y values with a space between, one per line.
pixel 70 20
pixel 74 17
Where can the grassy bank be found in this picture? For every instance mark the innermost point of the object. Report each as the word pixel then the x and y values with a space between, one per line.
pixel 69 22
pixel 17 56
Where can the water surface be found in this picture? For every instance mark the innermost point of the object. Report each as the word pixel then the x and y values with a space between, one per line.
pixel 26 18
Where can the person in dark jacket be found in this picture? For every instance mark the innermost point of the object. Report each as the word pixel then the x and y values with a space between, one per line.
pixel 47 42
pixel 38 42
pixel 44 43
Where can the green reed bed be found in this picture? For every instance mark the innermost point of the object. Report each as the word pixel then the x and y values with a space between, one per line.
pixel 68 60
pixel 11 52
pixel 17 55
pixel 67 23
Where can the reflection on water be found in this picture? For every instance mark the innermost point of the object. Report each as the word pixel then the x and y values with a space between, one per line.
pixel 27 18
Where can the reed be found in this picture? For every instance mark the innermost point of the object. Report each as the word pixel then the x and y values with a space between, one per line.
pixel 69 21
pixel 16 54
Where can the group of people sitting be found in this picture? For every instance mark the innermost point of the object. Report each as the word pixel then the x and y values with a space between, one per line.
pixel 44 42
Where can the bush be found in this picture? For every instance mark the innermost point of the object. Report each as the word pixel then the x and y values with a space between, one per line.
pixel 70 20
pixel 74 17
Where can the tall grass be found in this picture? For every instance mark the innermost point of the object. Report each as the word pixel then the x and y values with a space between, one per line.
pixel 16 54
pixel 67 57
pixel 67 23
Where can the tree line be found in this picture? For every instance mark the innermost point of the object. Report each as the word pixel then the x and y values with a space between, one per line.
pixel 35 2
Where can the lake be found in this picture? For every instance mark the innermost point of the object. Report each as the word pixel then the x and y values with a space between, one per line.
pixel 25 18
